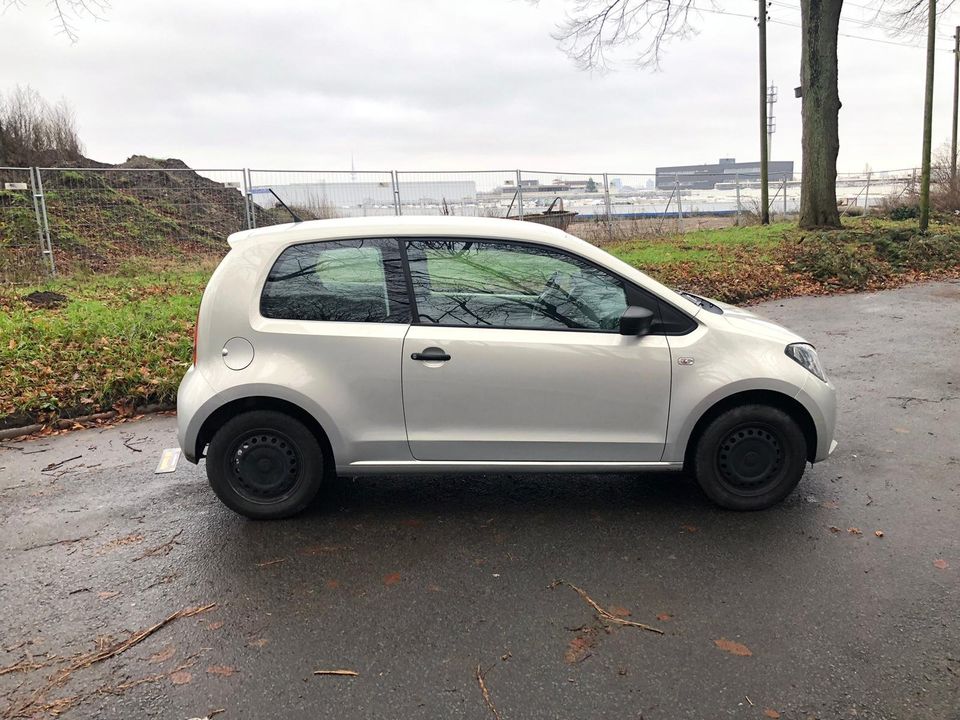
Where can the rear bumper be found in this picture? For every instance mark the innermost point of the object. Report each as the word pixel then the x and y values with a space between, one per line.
pixel 193 397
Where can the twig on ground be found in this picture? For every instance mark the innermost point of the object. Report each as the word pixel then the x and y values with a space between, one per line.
pixel 268 563
pixel 27 665
pixel 345 673
pixel 162 549
pixel 53 543
pixel 604 614
pixel 105 651
pixel 486 694
pixel 127 441
pixel 54 466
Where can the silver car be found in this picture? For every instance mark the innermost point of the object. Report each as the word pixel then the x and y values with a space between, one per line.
pixel 467 345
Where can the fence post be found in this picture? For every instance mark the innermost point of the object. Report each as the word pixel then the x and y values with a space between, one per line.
pixel 46 247
pixel 784 197
pixel 247 197
pixel 519 196
pixel 395 179
pixel 738 198
pixel 606 202
pixel 36 210
pixel 866 199
pixel 676 182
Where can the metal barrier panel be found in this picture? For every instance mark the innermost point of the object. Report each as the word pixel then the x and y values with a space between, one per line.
pixel 582 197
pixel 485 193
pixel 21 242
pixel 870 191
pixel 102 219
pixel 319 194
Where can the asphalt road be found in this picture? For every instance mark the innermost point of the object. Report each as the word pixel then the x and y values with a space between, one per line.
pixel 413 582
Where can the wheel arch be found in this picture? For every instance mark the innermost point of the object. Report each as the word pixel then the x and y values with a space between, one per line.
pixel 263 402
pixel 772 398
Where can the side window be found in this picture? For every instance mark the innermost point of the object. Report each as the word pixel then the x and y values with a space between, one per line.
pixel 506 285
pixel 338 281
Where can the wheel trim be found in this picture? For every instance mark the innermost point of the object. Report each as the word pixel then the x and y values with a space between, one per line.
pixel 264 466
pixel 750 459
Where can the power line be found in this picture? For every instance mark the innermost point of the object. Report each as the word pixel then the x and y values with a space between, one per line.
pixel 858 21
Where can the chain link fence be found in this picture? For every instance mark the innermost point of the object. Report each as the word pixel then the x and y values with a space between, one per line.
pixel 102 219
pixel 23 252
pixel 106 219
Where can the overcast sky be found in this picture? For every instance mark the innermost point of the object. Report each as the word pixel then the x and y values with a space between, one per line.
pixel 449 84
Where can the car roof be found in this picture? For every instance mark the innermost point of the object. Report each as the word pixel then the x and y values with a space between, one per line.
pixel 393 226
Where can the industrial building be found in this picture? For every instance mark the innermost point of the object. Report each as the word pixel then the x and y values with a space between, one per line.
pixel 727 170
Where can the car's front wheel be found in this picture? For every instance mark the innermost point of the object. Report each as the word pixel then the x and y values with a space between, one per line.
pixel 265 465
pixel 750 457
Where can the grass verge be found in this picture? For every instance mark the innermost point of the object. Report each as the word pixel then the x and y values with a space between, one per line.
pixel 125 339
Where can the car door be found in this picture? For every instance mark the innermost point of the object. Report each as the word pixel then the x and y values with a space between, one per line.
pixel 515 355
pixel 334 314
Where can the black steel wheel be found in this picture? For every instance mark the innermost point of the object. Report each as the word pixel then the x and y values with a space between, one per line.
pixel 750 457
pixel 265 465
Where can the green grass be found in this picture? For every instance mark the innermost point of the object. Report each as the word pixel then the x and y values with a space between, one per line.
pixel 125 338
pixel 116 339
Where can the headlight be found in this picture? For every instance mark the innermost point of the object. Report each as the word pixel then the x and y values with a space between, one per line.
pixel 806 355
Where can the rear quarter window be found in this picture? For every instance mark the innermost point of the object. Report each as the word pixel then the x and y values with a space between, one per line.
pixel 337 281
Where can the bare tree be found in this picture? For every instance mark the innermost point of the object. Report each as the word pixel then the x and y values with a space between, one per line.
pixel 33 131
pixel 67 13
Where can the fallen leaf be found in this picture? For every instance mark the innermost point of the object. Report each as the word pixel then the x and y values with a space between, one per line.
pixel 878 533
pixel 107 594
pixel 941 564
pixel 664 617
pixel 771 713
pixel 181 677
pixel 734 648
pixel 578 649
pixel 221 670
pixel 168 652
pixel 12 345
pixel 332 584
pixel 690 528
pixel 391 579
pixel 618 611
pixel 433 588
pixel 830 504
pixel 215 625
pixel 259 642
pixel 855 531
pixel 834 529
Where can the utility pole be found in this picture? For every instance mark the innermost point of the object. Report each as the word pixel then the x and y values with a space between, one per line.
pixel 764 190
pixel 927 117
pixel 956 99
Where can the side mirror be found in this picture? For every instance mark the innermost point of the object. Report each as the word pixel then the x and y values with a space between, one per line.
pixel 636 321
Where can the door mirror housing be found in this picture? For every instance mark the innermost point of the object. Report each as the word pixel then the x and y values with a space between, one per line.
pixel 636 321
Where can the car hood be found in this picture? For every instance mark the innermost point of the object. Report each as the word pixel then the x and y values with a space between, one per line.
pixel 751 323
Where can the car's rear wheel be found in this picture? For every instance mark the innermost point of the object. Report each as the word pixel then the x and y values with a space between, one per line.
pixel 750 457
pixel 265 465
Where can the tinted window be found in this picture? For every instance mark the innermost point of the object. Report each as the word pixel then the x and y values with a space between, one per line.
pixel 343 281
pixel 507 285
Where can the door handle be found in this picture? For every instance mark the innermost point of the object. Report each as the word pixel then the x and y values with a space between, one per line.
pixel 431 354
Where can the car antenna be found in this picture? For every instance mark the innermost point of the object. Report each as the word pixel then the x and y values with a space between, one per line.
pixel 295 217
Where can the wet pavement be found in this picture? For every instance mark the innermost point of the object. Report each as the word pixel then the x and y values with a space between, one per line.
pixel 412 582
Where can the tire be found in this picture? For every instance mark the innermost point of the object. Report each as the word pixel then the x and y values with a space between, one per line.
pixel 265 465
pixel 750 457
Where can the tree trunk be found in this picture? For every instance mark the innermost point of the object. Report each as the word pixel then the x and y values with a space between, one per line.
pixel 820 22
